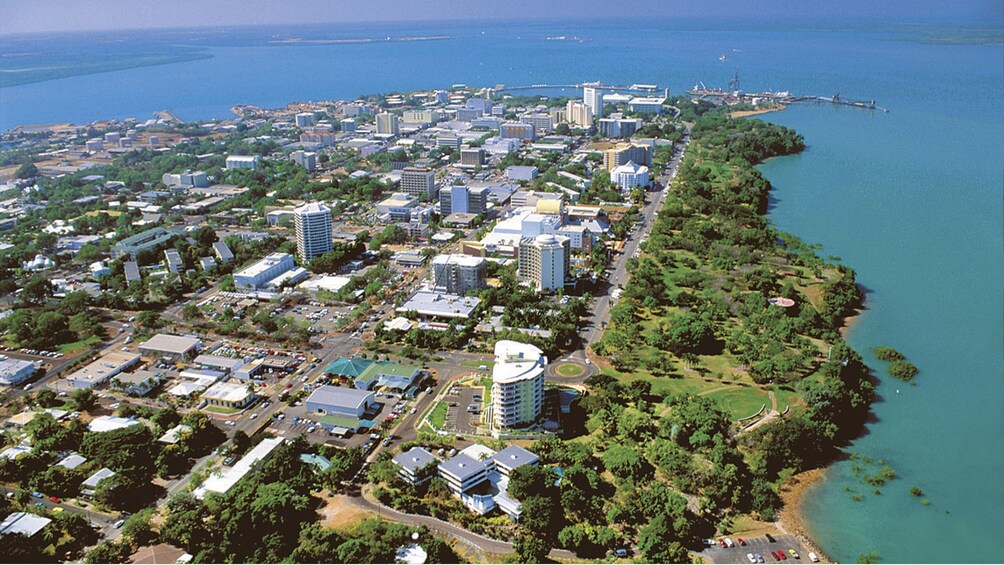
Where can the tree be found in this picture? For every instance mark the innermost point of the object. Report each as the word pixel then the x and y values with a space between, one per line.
pixel 84 399
pixel 37 290
pixel 149 320
pixel 658 543
pixel 26 171
pixel 530 480
pixel 529 548
pixel 107 552
pixel 46 398
pixel 625 463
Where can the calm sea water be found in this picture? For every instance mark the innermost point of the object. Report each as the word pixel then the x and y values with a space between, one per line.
pixel 912 198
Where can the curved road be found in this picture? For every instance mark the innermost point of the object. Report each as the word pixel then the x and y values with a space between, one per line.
pixel 477 541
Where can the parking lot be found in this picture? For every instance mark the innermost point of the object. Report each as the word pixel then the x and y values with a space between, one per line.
pixel 458 417
pixel 322 318
pixel 758 545
pixel 295 421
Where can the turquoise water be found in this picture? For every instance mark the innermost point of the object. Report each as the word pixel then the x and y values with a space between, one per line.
pixel 912 199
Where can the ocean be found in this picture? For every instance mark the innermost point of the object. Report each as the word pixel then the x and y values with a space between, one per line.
pixel 911 198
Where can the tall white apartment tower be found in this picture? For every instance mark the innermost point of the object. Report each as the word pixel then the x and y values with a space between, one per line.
pixel 593 97
pixel 313 230
pixel 517 384
pixel 544 261
pixel 386 124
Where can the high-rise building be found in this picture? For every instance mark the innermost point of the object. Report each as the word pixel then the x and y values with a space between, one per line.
pixel 542 123
pixel 463 200
pixel 472 157
pixel 306 159
pixel 578 114
pixel 348 124
pixel 305 119
pixel 419 181
pixel 544 261
pixel 517 384
pixel 457 274
pixel 622 153
pixel 386 124
pixel 593 97
pixel 313 230
pixel 618 126
pixel 516 131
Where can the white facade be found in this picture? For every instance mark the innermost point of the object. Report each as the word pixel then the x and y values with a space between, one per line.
pixel 457 274
pixel 306 159
pixel 243 162
pixel 305 119
pixel 578 114
pixel 313 230
pixel 517 384
pixel 593 98
pixel 544 261
pixel 386 124
pixel 629 175
pixel 647 105
pixel 259 274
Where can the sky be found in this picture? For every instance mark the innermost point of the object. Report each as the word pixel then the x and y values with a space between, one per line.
pixel 29 16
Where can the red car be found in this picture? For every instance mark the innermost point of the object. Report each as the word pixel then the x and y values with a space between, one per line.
pixel 721 542
pixel 783 556
pixel 55 499
pixel 741 541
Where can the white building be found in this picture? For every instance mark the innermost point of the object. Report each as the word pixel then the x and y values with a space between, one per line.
pixel 102 369
pixel 578 114
pixel 419 182
pixel 544 261
pixel 386 124
pixel 397 206
pixel 15 371
pixel 458 274
pixel 647 105
pixel 306 159
pixel 260 274
pixel 305 119
pixel 593 98
pixel 629 175
pixel 520 172
pixel 221 482
pixel 243 162
pixel 517 384
pixel 313 230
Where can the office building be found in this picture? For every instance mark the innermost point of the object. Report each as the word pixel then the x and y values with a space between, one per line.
pixel 457 274
pixel 463 200
pixel 355 109
pixel 313 230
pixel 419 182
pixel 94 145
pixel 516 130
pixel 521 172
pixel 251 162
pixel 271 272
pixel 416 465
pixel 647 105
pixel 542 123
pixel 174 262
pixel 386 124
pixel 517 384
pixel 578 114
pixel 102 369
pixel 222 251
pixel 15 371
pixel 629 175
pixel 229 395
pixel 150 239
pixel 468 114
pixel 474 157
pixel 348 125
pixel 318 138
pixel 618 126
pixel 306 159
pixel 398 206
pixel 451 141
pixel 188 179
pixel 419 117
pixel 305 119
pixel 168 346
pixel 543 261
pixel 340 401
pixel 593 98
pixel 622 153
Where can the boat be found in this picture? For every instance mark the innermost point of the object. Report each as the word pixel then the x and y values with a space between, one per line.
pixel 722 58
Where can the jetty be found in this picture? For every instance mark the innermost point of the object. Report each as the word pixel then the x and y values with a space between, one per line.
pixel 733 95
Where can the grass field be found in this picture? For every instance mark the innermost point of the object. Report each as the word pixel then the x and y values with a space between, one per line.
pixel 740 402
pixel 570 369
pixel 76 347
pixel 437 418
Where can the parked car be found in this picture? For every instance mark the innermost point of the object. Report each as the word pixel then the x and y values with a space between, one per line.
pixel 749 556
pixel 741 541
pixel 118 524
pixel 813 557
pixel 622 552
pixel 793 553
pixel 55 499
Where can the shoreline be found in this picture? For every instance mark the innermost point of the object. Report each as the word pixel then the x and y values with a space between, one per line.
pixel 748 113
pixel 790 518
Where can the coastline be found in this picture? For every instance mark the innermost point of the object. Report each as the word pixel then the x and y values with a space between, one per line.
pixel 748 113
pixel 790 518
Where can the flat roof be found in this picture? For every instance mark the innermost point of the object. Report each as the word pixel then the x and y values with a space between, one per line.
pixel 23 523
pixel 171 343
pixel 515 361
pixel 414 459
pixel 174 434
pixel 72 461
pixel 222 482
pixel 228 392
pixel 458 259
pixel 229 363
pixel 109 423
pixel 104 367
pixel 264 265
pixel 440 304
pixel 342 397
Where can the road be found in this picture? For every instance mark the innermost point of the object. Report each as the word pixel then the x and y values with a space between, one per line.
pixel 594 324
pixel 485 544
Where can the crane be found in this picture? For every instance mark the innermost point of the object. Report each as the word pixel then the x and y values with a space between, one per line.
pixel 734 83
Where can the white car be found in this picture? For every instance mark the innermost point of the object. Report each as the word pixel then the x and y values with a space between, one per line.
pixel 751 558
pixel 813 557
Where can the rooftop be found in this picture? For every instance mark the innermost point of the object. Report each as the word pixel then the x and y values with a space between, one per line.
pixel 348 366
pixel 228 392
pixel 104 367
pixel 515 361
pixel 222 482
pixel 109 423
pixel 414 459
pixel 515 456
pixel 462 467
pixel 429 303
pixel 171 343
pixel 23 523
pixel 97 477
pixel 340 396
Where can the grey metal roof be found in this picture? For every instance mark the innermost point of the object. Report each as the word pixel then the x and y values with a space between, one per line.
pixel 23 523
pixel 462 467
pixel 340 396
pixel 414 459
pixel 96 478
pixel 515 456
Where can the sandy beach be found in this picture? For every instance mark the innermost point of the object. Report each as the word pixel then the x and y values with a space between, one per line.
pixel 747 113
pixel 789 519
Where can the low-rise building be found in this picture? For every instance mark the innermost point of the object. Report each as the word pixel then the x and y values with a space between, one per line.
pixel 102 369
pixel 229 395
pixel 340 401
pixel 243 162
pixel 138 383
pixel 23 523
pixel 221 482
pixel 416 465
pixel 397 207
pixel 15 371
pixel 629 175
pixel 111 423
pixel 462 473
pixel 168 346
pixel 271 272
pixel 90 485
pixel 520 173
pixel 440 305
